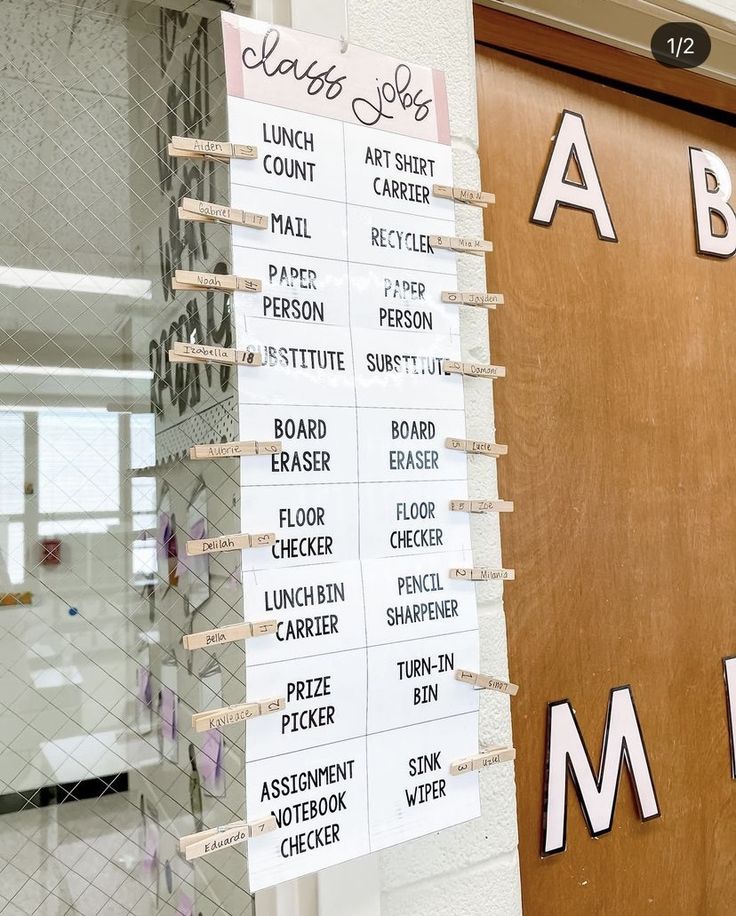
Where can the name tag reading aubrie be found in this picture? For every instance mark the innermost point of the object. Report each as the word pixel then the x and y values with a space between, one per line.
pixel 234 449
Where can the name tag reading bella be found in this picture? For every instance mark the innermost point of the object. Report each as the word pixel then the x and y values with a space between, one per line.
pixel 207 841
pixel 481 761
pixel 247 630
pixel 475 370
pixel 233 449
pixel 466 246
pixel 229 542
pixel 204 212
pixel 482 300
pixel 477 447
pixel 482 574
pixel 203 353
pixel 480 505
pixel 485 682
pixel 464 195
pixel 196 279
pixel 233 715
pixel 199 148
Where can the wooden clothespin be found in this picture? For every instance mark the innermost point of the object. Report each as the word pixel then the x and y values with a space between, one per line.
pixel 197 279
pixel 481 761
pixel 233 450
pixel 184 352
pixel 481 505
pixel 233 715
pixel 464 195
pixel 202 211
pixel 228 542
pixel 199 148
pixel 485 682
pixel 207 841
pixel 465 246
pixel 482 574
pixel 475 370
pixel 477 447
pixel 247 630
pixel 483 300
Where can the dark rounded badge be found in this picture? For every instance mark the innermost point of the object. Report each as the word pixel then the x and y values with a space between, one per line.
pixel 681 44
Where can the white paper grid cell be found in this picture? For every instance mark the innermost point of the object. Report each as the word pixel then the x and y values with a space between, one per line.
pixel 398 240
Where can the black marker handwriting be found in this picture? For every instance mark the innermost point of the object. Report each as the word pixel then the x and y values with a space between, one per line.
pixel 318 79
pixel 388 93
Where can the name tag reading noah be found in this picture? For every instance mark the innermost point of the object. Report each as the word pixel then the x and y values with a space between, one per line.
pixel 482 574
pixel 477 447
pixel 482 300
pixel 207 841
pixel 199 148
pixel 234 449
pixel 246 630
pixel 464 195
pixel 481 761
pixel 465 246
pixel 192 352
pixel 475 370
pixel 196 279
pixel 480 505
pixel 229 542
pixel 485 682
pixel 233 715
pixel 202 211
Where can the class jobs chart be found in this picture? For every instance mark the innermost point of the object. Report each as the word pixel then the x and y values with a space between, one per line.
pixel 353 332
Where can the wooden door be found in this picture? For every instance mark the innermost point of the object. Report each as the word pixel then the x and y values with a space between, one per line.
pixel 619 411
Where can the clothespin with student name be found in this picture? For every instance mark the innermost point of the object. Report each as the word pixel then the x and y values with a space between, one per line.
pixel 480 761
pixel 482 300
pixel 233 715
pixel 464 195
pixel 234 449
pixel 228 542
pixel 202 211
pixel 481 505
pixel 476 447
pixel 246 630
pixel 482 574
pixel 197 279
pixel 484 682
pixel 199 148
pixel 475 370
pixel 184 352
pixel 464 246
pixel 208 841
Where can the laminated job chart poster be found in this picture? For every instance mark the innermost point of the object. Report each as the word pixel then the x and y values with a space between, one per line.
pixel 352 331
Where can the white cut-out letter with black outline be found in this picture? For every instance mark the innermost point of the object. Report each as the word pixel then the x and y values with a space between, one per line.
pixel 711 186
pixel 566 753
pixel 729 678
pixel 556 189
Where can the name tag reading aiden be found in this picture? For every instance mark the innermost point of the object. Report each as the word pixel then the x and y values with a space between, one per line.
pixel 234 449
pixel 200 353
pixel 481 574
pixel 199 148
pixel 232 715
pixel 229 542
pixel 202 211
pixel 477 447
pixel 481 505
pixel 466 246
pixel 247 630
pixel 483 300
pixel 481 761
pixel 207 841
pixel 475 370
pixel 196 279
pixel 464 195
pixel 485 682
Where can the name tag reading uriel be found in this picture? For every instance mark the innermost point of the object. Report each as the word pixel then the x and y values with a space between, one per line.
pixel 477 447
pixel 483 300
pixel 475 370
pixel 464 195
pixel 233 715
pixel 482 574
pixel 229 542
pixel 207 841
pixel 204 212
pixel 203 353
pixel 196 279
pixel 480 505
pixel 234 449
pixel 199 148
pixel 482 760
pixel 466 246
pixel 485 682
pixel 248 630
